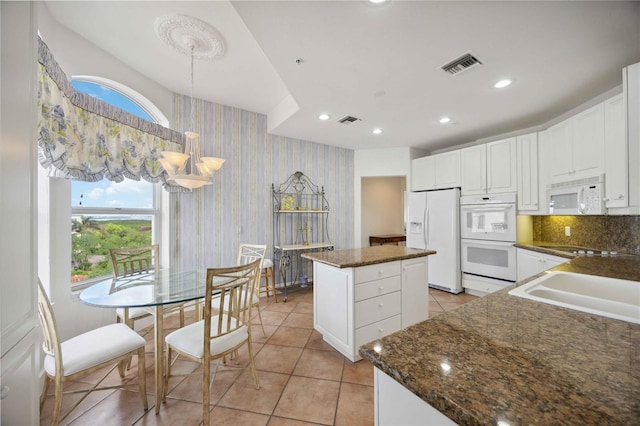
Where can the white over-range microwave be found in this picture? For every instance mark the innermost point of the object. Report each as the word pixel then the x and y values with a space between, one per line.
pixel 577 197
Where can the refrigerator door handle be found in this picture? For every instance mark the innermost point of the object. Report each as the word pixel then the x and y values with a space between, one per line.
pixel 426 227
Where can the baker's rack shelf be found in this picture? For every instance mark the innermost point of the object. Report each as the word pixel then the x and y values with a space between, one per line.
pixel 300 224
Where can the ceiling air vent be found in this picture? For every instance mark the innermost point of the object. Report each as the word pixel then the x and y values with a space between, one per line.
pixel 348 120
pixel 462 63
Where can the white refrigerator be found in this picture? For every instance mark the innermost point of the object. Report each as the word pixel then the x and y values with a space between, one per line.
pixel 434 223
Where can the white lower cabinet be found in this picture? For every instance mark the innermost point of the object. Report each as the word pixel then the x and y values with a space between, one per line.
pixel 354 306
pixel 532 262
pixel 396 405
pixel 19 391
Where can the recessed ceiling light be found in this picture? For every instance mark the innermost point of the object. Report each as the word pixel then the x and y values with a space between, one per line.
pixel 377 1
pixel 377 131
pixel 324 117
pixel 445 120
pixel 503 83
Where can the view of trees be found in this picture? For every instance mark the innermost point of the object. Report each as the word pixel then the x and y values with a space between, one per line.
pixel 91 239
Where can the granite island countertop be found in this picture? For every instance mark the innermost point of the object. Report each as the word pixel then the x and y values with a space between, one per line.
pixel 354 258
pixel 522 362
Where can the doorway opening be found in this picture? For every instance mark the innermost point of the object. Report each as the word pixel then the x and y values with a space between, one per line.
pixel 383 206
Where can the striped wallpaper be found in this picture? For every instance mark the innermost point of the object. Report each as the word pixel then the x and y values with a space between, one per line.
pixel 208 225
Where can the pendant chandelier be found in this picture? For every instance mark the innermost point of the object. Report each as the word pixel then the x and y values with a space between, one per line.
pixel 189 169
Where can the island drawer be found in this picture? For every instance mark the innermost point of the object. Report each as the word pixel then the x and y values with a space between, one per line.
pixel 377 330
pixel 377 288
pixel 377 308
pixel 377 271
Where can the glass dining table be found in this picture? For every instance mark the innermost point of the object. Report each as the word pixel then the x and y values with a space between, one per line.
pixel 153 291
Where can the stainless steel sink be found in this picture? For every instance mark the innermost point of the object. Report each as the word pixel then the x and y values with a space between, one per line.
pixel 608 297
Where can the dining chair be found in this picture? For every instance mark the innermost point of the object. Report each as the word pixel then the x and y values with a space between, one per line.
pixel 138 260
pixel 269 279
pixel 112 344
pixel 219 335
pixel 247 253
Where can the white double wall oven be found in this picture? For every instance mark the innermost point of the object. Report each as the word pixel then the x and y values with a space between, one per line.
pixel 488 235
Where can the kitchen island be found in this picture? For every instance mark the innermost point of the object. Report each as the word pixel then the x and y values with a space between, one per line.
pixel 360 295
pixel 506 360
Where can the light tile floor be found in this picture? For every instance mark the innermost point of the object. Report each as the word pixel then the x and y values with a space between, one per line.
pixel 303 379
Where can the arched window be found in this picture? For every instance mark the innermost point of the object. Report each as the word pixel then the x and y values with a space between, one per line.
pixel 107 214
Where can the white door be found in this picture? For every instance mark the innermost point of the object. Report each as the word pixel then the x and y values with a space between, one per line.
pixel 473 163
pixel 616 164
pixel 423 173
pixel 557 151
pixel 443 236
pixel 588 141
pixel 415 291
pixel 527 171
pixel 501 166
pixel 447 172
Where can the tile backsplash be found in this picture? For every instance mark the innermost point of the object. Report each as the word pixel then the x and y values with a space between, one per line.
pixel 621 233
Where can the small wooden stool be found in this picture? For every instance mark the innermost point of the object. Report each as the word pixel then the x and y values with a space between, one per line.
pixel 269 279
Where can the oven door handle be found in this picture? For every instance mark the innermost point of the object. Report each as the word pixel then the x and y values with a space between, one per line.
pixel 488 208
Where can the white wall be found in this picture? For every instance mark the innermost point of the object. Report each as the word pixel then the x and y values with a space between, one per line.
pixel 377 163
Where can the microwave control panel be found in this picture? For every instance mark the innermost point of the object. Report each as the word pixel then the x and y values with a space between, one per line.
pixel 592 200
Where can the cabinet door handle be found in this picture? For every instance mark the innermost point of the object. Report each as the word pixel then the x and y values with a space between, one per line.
pixel 380 330
pixel 381 288
pixel 4 392
pixel 380 305
pixel 620 197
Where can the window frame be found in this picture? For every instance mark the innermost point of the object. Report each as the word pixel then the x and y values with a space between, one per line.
pixel 158 197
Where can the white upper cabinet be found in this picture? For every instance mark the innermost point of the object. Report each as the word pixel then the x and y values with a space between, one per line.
pixel 423 173
pixel 489 168
pixel 501 166
pixel 436 171
pixel 527 171
pixel 631 95
pixel 588 141
pixel 616 164
pixel 474 170
pixel 574 148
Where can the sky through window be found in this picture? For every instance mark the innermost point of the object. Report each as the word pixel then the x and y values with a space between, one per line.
pixel 126 194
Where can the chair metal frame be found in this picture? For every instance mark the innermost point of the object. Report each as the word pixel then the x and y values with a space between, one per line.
pixel 138 260
pixel 52 346
pixel 248 253
pixel 234 291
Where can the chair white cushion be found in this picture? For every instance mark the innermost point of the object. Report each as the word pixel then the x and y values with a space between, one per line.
pixel 95 347
pixel 267 263
pixel 188 339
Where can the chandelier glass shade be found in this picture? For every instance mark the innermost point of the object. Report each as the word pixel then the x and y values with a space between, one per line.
pixel 189 169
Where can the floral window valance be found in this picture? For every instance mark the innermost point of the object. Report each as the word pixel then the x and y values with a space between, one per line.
pixel 84 138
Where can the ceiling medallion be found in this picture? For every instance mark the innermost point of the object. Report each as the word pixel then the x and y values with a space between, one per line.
pixel 183 32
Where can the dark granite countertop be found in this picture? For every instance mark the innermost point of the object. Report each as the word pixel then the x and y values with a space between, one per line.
pixel 537 246
pixel 522 362
pixel 354 258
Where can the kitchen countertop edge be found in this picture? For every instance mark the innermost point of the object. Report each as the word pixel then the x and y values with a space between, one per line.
pixel 354 258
